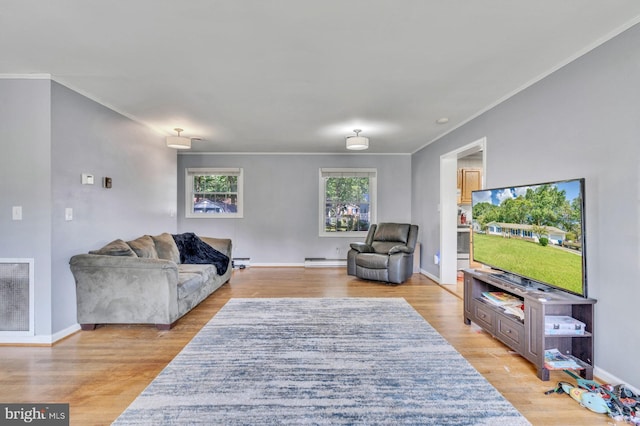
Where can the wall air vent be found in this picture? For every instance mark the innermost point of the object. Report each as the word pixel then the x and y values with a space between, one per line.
pixel 16 297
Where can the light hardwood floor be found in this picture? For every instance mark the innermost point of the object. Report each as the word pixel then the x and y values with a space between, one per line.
pixel 99 373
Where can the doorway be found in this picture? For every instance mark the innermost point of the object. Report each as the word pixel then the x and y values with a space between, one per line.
pixel 449 208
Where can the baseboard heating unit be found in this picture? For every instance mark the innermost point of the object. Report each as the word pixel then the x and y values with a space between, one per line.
pixel 16 297
pixel 322 262
pixel 241 262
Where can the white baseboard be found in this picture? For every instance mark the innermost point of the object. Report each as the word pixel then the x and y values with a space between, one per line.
pixel 40 339
pixel 66 332
pixel 606 377
pixel 326 264
pixel 430 276
pixel 277 265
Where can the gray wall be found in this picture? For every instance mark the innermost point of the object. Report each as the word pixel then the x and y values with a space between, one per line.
pixel 88 137
pixel 280 224
pixel 581 121
pixel 25 180
pixel 53 135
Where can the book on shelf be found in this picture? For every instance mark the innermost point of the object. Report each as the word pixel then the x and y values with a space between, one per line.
pixel 509 303
pixel 515 310
pixel 556 360
pixel 500 298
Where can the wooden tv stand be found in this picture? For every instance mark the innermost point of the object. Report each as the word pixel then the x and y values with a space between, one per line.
pixel 527 337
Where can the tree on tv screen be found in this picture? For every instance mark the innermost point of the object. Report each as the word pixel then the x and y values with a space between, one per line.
pixel 539 206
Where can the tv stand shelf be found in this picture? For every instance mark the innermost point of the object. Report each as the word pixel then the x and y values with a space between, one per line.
pixel 527 337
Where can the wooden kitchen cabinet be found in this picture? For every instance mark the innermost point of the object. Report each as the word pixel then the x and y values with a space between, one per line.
pixel 469 179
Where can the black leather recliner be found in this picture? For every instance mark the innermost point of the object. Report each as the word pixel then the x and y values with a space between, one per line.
pixel 386 254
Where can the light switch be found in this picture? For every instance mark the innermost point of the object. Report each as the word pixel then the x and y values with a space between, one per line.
pixel 16 212
pixel 68 213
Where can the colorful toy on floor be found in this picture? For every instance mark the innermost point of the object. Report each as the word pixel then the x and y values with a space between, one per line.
pixel 619 402
pixel 617 409
pixel 592 401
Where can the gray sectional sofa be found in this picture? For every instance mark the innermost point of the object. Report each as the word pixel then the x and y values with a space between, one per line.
pixel 144 281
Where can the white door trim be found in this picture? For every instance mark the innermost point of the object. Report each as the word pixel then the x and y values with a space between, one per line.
pixel 449 206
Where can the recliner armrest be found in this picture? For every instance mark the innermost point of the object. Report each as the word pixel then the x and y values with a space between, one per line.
pixel 400 249
pixel 362 247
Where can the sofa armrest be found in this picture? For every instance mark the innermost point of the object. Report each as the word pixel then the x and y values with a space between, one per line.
pixel 400 249
pixel 119 289
pixel 223 245
pixel 361 247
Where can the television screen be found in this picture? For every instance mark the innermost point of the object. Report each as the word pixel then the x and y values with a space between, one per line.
pixel 535 232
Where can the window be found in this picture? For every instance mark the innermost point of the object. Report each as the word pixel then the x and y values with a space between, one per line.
pixel 213 193
pixel 347 201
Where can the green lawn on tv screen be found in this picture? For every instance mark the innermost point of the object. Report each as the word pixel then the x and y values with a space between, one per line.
pixel 548 264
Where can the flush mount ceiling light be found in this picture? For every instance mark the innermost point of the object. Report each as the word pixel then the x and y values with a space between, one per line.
pixel 357 142
pixel 178 142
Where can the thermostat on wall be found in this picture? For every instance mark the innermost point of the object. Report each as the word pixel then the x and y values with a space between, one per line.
pixel 106 182
pixel 87 179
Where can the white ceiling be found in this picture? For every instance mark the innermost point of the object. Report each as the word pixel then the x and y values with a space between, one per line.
pixel 300 75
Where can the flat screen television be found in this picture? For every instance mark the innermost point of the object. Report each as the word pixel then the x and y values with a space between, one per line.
pixel 533 233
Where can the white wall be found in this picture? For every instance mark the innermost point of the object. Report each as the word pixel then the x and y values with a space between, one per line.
pixel 281 212
pixel 581 121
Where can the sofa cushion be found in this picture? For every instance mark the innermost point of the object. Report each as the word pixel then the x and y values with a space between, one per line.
pixel 144 247
pixel 189 283
pixel 192 268
pixel 191 278
pixel 166 247
pixel 372 260
pixel 116 248
pixel 392 232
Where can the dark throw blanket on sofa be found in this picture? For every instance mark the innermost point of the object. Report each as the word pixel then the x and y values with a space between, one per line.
pixel 193 250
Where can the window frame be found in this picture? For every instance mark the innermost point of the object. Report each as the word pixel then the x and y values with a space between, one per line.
pixel 190 172
pixel 347 172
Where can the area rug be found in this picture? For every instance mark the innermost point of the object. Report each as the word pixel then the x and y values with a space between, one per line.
pixel 320 361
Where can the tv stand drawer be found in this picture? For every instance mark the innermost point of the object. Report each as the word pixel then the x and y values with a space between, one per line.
pixel 483 315
pixel 510 332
